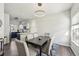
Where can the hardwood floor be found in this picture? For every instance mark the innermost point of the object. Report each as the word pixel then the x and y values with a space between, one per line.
pixel 58 50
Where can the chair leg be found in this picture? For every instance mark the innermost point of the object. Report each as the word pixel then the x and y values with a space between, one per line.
pixel 51 52
pixel 2 53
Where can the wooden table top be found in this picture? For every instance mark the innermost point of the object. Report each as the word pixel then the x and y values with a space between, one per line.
pixel 38 42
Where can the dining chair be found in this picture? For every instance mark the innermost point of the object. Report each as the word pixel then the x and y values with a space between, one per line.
pixel 1 53
pixel 35 34
pixel 29 36
pixel 24 50
pixel 46 34
pixel 48 46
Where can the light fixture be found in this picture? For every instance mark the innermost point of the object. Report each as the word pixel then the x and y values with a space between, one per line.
pixel 40 13
pixel 39 10
pixel 39 4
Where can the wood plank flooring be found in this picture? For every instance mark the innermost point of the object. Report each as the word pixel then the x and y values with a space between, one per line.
pixel 58 50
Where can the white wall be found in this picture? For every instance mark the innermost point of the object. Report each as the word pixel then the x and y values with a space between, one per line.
pixel 57 24
pixel 75 18
pixel 6 27
pixel 6 24
pixel 75 9
pixel 75 13
pixel 15 23
pixel 2 18
pixel 33 28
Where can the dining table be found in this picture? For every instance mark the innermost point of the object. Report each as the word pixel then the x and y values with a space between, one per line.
pixel 39 41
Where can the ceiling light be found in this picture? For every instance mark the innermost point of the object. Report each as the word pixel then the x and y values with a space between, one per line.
pixel 39 4
pixel 40 13
pixel 39 10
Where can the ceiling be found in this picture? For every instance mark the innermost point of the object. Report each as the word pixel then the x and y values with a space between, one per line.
pixel 26 10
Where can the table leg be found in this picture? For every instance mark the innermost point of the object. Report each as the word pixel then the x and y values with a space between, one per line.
pixel 40 51
pixel 1 46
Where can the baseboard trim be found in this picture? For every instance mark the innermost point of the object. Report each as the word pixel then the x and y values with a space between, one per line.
pixel 62 44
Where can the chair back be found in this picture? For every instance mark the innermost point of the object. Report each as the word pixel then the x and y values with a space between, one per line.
pixel 46 34
pixel 22 48
pixel 35 35
pixel 29 36
pixel 50 45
